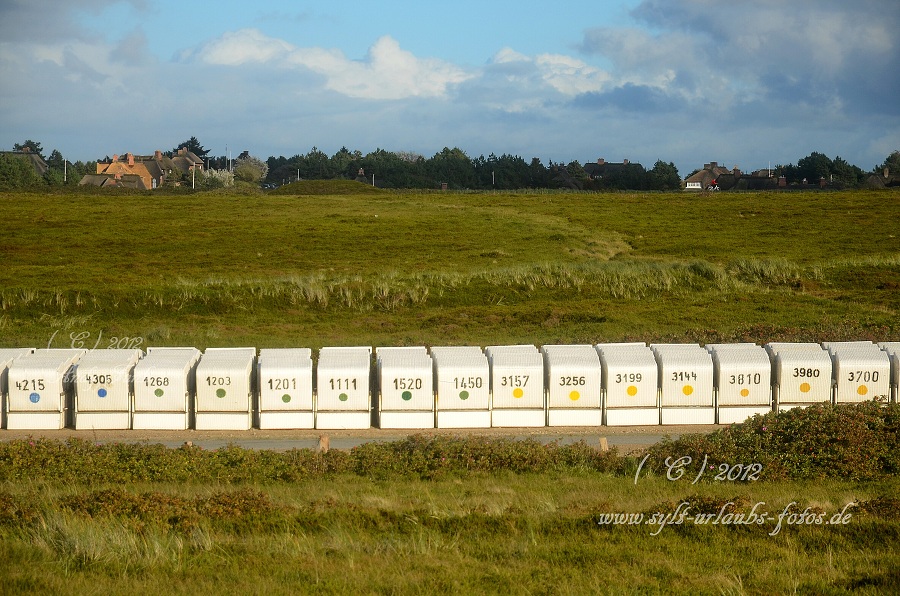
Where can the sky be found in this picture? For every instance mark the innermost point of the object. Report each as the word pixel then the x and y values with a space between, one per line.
pixel 745 83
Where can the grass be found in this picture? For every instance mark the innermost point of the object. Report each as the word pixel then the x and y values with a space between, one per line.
pixel 343 266
pixel 326 187
pixel 510 533
pixel 450 515
pixel 390 268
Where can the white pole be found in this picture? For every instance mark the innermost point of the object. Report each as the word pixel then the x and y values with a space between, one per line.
pixel 65 172
pixel 193 169
pixel 373 179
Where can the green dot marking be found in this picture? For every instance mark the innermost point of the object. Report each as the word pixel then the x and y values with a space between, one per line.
pixel 158 393
pixel 286 398
pixel 463 395
pixel 406 395
pixel 343 397
pixel 220 393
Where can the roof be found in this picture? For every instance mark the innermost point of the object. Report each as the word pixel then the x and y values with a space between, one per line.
pixel 710 171
pixel 153 169
pixel 40 166
pixel 879 181
pixel 565 179
pixel 601 168
pixel 182 163
pixel 188 157
pixel 110 181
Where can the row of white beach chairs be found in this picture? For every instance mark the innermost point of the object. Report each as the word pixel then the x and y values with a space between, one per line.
pixel 437 387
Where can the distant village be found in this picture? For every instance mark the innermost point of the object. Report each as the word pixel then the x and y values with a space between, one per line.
pixel 713 177
pixel 189 165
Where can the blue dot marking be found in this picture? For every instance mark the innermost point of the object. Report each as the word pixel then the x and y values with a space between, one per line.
pixel 101 392
pixel 35 397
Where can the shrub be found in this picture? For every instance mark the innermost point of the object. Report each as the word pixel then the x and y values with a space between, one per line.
pixel 240 509
pixel 15 511
pixel 850 441
pixel 430 457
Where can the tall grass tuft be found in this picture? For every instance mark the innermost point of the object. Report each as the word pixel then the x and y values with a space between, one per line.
pixel 774 272
pixel 393 290
pixel 82 543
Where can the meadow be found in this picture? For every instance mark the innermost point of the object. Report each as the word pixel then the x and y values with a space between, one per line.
pixel 213 269
pixel 318 265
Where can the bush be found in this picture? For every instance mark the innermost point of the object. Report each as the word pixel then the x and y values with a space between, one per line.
pixel 849 441
pixel 235 509
pixel 430 457
pixel 17 172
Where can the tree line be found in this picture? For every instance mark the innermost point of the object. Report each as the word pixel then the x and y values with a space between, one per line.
pixel 455 169
pixel 452 168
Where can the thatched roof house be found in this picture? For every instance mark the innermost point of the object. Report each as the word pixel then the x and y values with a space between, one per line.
pixel 883 180
pixel 33 159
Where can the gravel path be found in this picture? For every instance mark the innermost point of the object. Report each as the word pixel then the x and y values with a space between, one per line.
pixel 626 438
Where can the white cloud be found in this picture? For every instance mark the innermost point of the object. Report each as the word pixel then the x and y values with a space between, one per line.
pixel 507 55
pixel 570 76
pixel 515 83
pixel 812 51
pixel 387 72
pixel 236 48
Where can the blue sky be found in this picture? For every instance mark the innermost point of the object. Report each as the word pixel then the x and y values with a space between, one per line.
pixel 745 83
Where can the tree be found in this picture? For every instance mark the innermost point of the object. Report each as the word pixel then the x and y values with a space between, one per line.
pixel 54 177
pixel 390 171
pixel 345 163
pixel 892 162
pixel 77 170
pixel 194 146
pixel 577 173
pixel 664 176
pixel 452 166
pixel 250 169
pixel 845 172
pixel 630 176
pixel 56 160
pixel 32 146
pixel 538 174
pixel 211 179
pixel 789 171
pixel 315 165
pixel 814 166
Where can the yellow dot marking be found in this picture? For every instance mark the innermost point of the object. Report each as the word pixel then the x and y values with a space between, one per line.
pixel 517 392
pixel 745 392
pixel 804 387
pixel 631 391
pixel 687 389
pixel 862 390
pixel 574 396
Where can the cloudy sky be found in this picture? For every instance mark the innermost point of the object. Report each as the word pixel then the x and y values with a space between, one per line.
pixel 742 82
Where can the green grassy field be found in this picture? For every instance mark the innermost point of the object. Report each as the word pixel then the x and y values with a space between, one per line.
pixel 312 270
pixel 395 269
pixel 498 533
